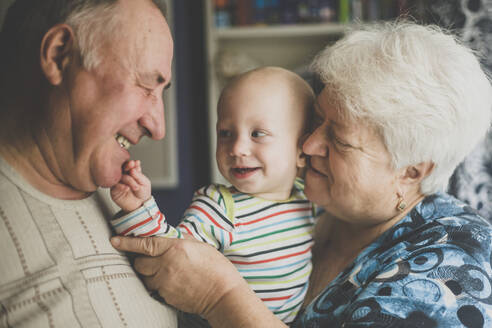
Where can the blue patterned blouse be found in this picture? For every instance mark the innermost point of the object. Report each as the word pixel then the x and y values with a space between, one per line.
pixel 432 269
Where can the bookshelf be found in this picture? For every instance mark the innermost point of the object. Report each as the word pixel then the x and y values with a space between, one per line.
pixel 280 31
pixel 234 45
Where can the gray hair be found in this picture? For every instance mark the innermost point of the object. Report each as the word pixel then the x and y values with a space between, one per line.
pixel 423 92
pixel 95 23
pixel 26 22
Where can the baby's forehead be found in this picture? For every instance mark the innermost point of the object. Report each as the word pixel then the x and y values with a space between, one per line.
pixel 271 76
pixel 275 89
pixel 273 80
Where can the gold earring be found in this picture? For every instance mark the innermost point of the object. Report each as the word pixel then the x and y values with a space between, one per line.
pixel 401 204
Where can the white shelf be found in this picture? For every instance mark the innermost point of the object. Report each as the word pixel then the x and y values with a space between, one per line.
pixel 281 31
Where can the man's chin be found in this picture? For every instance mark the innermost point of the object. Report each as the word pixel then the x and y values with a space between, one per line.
pixel 109 182
pixel 107 179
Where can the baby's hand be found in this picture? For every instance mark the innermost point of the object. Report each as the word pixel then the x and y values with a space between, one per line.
pixel 133 189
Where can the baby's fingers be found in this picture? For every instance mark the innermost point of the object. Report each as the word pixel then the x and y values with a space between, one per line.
pixel 138 165
pixel 119 190
pixel 131 164
pixel 130 182
pixel 139 177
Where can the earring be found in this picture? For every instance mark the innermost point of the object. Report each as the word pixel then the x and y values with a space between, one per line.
pixel 401 204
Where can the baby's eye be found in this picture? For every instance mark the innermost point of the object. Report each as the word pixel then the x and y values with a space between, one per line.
pixel 258 134
pixel 223 133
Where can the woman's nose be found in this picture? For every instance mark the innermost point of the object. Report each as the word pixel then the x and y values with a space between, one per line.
pixel 315 144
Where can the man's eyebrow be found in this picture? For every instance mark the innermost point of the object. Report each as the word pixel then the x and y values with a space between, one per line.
pixel 152 78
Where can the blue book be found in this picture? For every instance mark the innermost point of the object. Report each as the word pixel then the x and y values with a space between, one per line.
pixel 260 12
pixel 289 13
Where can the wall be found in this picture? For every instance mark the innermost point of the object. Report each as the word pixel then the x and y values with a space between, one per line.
pixel 194 168
pixel 4 5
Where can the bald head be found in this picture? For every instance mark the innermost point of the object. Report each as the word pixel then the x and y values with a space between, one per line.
pixel 272 84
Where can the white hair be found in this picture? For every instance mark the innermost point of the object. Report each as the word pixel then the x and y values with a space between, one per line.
pixel 423 91
pixel 94 25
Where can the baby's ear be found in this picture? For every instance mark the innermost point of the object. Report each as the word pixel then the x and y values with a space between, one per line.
pixel 301 158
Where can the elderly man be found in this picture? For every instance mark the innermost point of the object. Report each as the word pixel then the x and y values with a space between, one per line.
pixel 81 81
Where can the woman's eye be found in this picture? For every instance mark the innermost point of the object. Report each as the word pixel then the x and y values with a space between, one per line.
pixel 223 133
pixel 257 134
pixel 340 143
pixel 334 138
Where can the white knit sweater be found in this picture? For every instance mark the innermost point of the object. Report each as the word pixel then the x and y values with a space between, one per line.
pixel 58 268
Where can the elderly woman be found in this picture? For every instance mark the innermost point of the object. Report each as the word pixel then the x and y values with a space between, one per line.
pixel 402 105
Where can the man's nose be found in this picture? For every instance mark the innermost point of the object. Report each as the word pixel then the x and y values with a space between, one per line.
pixel 240 147
pixel 153 120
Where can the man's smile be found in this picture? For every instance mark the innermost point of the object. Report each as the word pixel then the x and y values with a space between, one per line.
pixel 124 142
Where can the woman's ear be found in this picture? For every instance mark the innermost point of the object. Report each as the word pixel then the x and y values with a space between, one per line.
pixel 56 49
pixel 414 174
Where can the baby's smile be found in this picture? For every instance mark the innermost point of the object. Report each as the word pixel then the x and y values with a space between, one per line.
pixel 244 172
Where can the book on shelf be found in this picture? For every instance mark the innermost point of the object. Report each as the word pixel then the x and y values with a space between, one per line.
pixel 344 11
pixel 273 12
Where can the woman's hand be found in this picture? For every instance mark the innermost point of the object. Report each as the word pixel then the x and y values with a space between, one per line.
pixel 196 278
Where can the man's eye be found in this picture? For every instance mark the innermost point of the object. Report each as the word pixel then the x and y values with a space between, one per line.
pixel 223 133
pixel 258 134
pixel 148 91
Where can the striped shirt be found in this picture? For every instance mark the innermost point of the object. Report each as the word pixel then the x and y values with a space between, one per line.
pixel 269 242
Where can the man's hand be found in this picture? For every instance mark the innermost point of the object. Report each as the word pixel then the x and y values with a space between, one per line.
pixel 194 277
pixel 188 274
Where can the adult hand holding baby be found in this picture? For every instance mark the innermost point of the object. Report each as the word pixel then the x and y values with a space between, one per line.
pixel 190 263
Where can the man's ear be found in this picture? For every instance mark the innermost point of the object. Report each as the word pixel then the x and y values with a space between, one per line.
pixel 56 48
pixel 414 174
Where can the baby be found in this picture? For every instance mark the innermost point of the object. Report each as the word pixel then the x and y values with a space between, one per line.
pixel 263 222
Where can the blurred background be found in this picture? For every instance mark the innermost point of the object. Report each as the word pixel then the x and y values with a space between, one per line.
pixel 217 39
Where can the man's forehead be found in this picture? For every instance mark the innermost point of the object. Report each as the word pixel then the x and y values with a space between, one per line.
pixel 152 51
